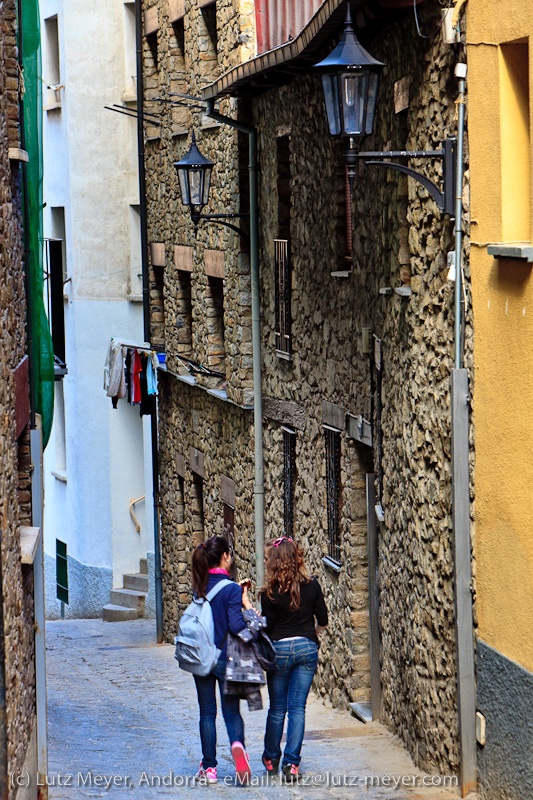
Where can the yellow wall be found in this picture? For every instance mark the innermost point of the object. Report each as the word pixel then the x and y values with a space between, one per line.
pixel 499 132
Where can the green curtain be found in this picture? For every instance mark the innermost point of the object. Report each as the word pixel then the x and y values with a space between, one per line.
pixel 43 356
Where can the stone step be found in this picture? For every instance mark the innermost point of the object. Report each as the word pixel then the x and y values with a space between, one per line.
pixel 143 566
pixel 136 581
pixel 129 598
pixel 111 613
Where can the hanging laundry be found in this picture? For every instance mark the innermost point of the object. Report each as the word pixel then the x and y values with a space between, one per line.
pixel 151 374
pixel 113 369
pixel 148 405
pixel 127 374
pixel 136 371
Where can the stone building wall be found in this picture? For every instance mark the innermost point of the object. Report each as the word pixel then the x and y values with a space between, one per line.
pixel 400 238
pixel 223 433
pixel 200 289
pixel 17 581
pixel 189 316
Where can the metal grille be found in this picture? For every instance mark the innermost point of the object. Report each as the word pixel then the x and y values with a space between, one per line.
pixel 283 295
pixel 333 492
pixel 289 479
pixel 61 572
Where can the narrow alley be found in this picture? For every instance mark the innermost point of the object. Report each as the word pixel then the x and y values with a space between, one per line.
pixel 122 717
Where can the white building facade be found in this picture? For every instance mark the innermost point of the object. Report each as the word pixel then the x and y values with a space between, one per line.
pixel 99 458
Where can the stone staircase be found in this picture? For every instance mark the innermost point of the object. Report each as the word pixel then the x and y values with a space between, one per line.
pixel 128 603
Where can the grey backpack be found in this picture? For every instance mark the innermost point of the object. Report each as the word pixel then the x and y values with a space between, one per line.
pixel 196 651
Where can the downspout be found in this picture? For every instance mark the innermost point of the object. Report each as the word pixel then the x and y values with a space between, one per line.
pixel 464 627
pixel 142 174
pixel 146 313
pixel 460 73
pixel 259 491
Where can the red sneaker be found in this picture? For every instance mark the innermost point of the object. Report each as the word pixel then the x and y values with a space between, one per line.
pixel 243 772
pixel 271 765
pixel 291 773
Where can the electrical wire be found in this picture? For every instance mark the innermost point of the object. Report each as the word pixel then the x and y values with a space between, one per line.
pixel 417 23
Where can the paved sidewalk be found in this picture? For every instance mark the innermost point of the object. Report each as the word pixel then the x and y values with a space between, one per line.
pixel 120 709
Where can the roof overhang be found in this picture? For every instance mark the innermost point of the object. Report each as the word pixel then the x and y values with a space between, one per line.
pixel 280 65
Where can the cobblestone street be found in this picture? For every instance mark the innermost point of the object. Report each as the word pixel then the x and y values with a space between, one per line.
pixel 119 708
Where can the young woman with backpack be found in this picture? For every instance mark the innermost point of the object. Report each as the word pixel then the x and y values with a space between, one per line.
pixel 296 613
pixel 211 563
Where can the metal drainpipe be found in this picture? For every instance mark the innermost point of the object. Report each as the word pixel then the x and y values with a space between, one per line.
pixel 142 175
pixel 464 627
pixel 146 314
pixel 460 72
pixel 259 490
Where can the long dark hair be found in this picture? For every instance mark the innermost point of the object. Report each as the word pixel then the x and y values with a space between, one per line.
pixel 206 556
pixel 285 569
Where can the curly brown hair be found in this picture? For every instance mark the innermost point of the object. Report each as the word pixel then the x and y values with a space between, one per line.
pixel 285 569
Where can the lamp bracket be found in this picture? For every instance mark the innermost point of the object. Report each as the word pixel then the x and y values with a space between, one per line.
pixel 221 219
pixel 444 199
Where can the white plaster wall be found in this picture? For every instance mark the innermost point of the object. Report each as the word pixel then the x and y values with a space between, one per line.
pixel 90 168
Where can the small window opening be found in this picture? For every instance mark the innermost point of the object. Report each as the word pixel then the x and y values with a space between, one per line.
pixel 130 54
pixel 229 533
pixel 184 313
pixel 216 355
pixel 289 479
pixel 197 509
pixel 61 572
pixel 515 142
pixel 333 492
pixel 52 75
pixel 60 428
pixel 282 263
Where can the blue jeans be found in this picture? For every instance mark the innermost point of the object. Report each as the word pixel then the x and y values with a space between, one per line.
pixel 288 686
pixel 205 687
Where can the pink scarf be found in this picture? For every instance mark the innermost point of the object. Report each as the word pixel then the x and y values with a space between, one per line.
pixel 218 571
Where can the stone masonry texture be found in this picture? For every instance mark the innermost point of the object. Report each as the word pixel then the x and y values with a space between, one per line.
pixel 16 580
pixel 399 239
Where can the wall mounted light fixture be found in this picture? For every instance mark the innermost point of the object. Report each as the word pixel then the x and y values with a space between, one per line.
pixel 194 174
pixel 350 78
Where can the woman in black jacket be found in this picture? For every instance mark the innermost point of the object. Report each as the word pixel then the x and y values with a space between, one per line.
pixel 296 613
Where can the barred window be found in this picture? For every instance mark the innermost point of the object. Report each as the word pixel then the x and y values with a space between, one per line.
pixel 283 296
pixel 333 491
pixel 289 479
pixel 229 533
pixel 282 262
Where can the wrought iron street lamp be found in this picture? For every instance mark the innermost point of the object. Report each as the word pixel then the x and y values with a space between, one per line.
pixel 194 174
pixel 350 78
